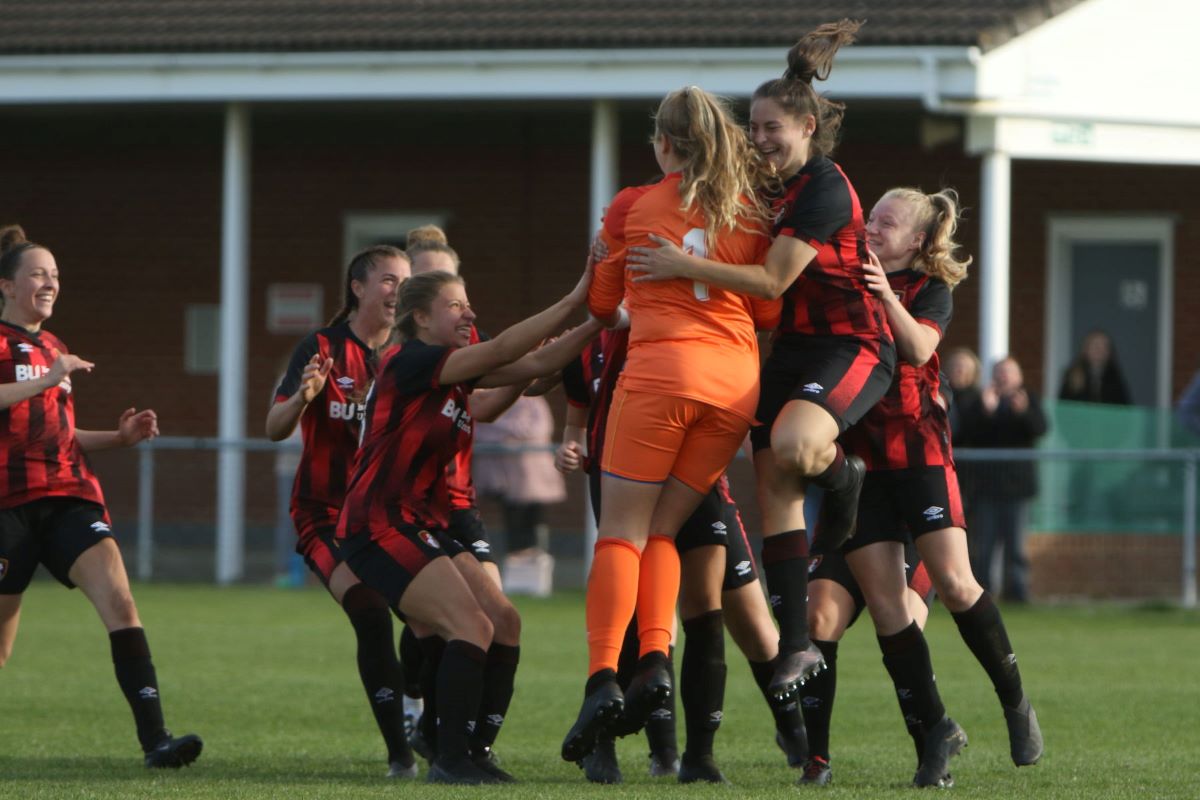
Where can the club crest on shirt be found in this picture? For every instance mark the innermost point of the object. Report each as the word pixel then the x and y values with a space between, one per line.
pixel 428 538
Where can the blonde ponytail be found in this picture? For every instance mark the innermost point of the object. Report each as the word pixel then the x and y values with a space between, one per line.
pixel 937 216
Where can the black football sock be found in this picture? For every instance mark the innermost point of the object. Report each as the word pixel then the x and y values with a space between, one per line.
pixel 834 477
pixel 628 659
pixel 816 701
pixel 459 691
pixel 498 678
pixel 787 717
pixel 983 630
pixel 660 727
pixel 378 667
pixel 785 564
pixel 139 684
pixel 702 680
pixel 906 657
pixel 432 648
pixel 410 659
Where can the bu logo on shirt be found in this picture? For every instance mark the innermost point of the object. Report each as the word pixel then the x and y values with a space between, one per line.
pixel 460 416
pixel 346 411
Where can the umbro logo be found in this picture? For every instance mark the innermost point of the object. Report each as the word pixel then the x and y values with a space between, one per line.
pixel 101 527
pixel 3 568
pixel 716 716
pixel 24 347
pixel 148 693
pixel 933 512
pixel 811 701
pixel 719 528
pixel 495 719
pixel 661 713
pixel 814 388
pixel 812 565
pixel 742 568
pixel 481 547
pixel 776 601
pixel 384 695
pixel 345 382
pixel 1011 659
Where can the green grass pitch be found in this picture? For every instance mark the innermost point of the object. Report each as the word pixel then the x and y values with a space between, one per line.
pixel 267 677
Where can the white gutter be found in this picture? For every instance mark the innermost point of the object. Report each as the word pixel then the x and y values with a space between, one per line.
pixel 878 72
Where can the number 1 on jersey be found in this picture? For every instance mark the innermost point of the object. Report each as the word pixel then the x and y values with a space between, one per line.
pixel 693 244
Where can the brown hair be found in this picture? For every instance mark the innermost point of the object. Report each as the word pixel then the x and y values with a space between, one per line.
pixel 13 245
pixel 809 58
pixel 429 239
pixel 417 294
pixel 937 216
pixel 360 266
pixel 722 171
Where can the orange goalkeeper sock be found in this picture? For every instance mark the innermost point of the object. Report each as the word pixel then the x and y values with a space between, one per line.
pixel 611 596
pixel 658 590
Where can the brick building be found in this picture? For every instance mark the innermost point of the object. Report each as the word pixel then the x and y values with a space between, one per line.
pixel 180 157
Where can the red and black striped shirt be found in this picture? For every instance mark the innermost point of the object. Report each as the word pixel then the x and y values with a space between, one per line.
pixel 414 426
pixel 331 422
pixel 459 483
pixel 830 298
pixel 40 456
pixel 909 427
pixel 589 383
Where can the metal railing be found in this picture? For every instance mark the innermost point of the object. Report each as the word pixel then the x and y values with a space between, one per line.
pixel 1188 459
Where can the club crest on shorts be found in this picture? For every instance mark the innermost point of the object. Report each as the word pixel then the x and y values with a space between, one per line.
pixel 429 539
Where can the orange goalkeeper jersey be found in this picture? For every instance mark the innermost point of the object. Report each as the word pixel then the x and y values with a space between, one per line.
pixel 686 339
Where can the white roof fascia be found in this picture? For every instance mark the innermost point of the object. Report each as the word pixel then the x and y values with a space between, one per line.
pixel 1120 61
pixel 901 73
pixel 1066 139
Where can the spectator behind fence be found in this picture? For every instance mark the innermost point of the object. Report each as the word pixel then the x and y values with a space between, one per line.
pixel 1004 415
pixel 962 370
pixel 524 482
pixel 1188 410
pixel 1095 376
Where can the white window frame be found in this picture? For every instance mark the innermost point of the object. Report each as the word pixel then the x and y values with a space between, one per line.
pixel 361 227
pixel 201 338
pixel 1063 231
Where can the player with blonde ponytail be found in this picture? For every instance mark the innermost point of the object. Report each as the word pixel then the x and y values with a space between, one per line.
pixel 682 406
pixel 911 495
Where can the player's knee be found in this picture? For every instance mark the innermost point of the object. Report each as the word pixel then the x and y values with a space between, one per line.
pixel 121 611
pixel 5 652
pixel 825 622
pixel 473 627
pixel 797 451
pixel 957 592
pixel 506 625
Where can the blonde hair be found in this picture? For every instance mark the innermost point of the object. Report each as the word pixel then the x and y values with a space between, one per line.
pixel 429 239
pixel 418 294
pixel 722 172
pixel 937 216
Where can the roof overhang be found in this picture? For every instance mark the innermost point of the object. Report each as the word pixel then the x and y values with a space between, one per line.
pixel 878 72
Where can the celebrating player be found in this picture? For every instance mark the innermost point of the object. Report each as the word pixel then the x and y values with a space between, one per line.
pixel 51 506
pixel 833 357
pixel 324 391
pixel 684 401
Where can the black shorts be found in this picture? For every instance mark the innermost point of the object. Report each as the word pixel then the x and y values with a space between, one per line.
pixel 900 505
pixel 53 531
pixel 467 534
pixel 833 567
pixel 717 522
pixel 317 541
pixel 388 560
pixel 844 375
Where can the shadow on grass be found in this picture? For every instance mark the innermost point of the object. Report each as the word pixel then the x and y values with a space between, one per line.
pixel 98 770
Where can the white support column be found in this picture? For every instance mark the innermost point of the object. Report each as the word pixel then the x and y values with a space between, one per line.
pixel 235 285
pixel 995 203
pixel 605 157
pixel 604 160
